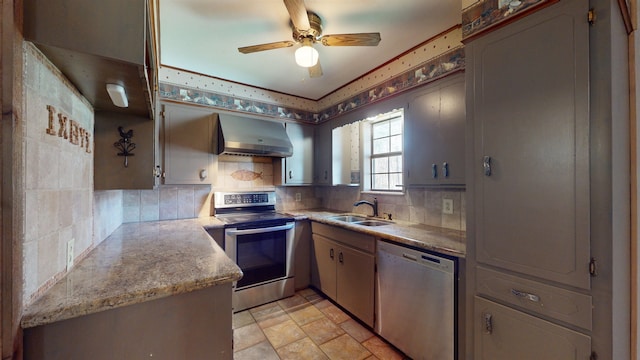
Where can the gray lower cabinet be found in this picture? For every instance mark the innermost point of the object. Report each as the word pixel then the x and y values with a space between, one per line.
pixel 193 325
pixel 505 333
pixel 343 268
pixel 435 134
pixel 302 254
pixel 188 144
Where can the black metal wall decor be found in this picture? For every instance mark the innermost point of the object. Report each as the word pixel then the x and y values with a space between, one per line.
pixel 125 145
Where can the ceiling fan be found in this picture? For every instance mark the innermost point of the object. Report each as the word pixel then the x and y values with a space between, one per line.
pixel 307 30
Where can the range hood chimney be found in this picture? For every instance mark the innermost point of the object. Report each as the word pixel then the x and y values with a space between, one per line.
pixel 252 137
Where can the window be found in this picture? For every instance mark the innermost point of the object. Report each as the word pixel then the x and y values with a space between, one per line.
pixel 386 152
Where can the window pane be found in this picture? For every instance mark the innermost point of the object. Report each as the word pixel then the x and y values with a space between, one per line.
pixel 396 126
pixel 381 165
pixel 395 164
pixel 381 146
pixel 381 181
pixel 396 143
pixel 395 181
pixel 380 129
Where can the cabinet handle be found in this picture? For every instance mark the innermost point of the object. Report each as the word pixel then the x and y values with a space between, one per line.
pixel 325 175
pixel 203 174
pixel 331 253
pixel 445 169
pixel 341 258
pixel 488 323
pixel 434 171
pixel 290 174
pixel 525 295
pixel 486 165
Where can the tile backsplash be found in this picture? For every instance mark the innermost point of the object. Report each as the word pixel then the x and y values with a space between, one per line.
pixel 168 202
pixel 424 206
pixel 417 205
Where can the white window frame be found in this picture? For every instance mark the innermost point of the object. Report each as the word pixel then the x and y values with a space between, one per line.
pixel 367 137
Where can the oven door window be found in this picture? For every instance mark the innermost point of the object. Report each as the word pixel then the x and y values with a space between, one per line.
pixel 262 257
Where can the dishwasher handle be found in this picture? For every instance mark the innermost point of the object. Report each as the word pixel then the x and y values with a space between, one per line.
pixel 409 256
pixel 418 257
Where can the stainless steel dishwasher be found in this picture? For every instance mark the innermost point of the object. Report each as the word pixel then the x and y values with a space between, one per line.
pixel 415 301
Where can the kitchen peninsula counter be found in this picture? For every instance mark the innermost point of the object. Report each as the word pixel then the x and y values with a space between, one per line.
pixel 441 240
pixel 138 263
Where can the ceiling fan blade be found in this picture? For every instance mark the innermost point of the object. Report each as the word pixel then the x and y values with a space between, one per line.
pixel 263 47
pixel 298 13
pixel 315 70
pixel 362 39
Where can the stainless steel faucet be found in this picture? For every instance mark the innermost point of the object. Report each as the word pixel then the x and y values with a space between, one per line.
pixel 373 204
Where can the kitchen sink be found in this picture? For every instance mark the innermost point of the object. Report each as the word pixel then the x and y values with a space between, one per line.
pixel 348 218
pixel 372 223
pixel 359 220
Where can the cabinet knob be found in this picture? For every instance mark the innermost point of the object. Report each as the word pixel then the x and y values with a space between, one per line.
pixel 203 174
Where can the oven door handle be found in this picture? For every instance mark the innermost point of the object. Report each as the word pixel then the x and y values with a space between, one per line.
pixel 260 230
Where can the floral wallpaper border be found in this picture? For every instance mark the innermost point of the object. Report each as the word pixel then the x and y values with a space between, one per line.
pixel 487 13
pixel 433 69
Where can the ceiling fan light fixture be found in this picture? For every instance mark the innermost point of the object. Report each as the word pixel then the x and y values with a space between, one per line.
pixel 306 55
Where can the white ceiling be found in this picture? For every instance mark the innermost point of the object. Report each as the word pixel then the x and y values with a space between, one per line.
pixel 203 36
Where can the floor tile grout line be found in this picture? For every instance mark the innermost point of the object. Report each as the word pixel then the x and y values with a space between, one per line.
pixel 324 316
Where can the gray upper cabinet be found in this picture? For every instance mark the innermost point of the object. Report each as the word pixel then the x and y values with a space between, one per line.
pixel 188 144
pixel 529 101
pixel 322 154
pixel 435 135
pixel 298 168
pixel 95 43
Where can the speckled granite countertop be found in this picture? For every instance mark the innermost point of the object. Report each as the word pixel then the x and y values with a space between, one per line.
pixel 441 240
pixel 137 263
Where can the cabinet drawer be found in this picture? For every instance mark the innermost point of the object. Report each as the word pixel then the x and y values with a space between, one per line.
pixel 561 304
pixel 504 333
pixel 352 238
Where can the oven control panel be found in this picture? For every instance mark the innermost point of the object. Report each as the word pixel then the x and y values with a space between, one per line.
pixel 237 199
pixel 222 200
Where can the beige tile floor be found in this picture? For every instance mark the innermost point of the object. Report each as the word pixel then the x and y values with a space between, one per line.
pixel 305 326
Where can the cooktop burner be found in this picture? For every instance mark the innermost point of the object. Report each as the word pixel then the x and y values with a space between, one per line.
pixel 248 210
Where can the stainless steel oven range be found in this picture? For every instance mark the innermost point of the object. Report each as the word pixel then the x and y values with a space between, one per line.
pixel 260 241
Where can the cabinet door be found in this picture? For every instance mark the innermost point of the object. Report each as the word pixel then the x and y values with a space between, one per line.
pixel 322 154
pixel 325 253
pixel 299 166
pixel 451 133
pixel 531 154
pixel 355 282
pixel 505 333
pixel 188 144
pixel 435 135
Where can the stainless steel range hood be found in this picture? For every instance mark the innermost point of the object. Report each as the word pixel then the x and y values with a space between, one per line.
pixel 252 137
